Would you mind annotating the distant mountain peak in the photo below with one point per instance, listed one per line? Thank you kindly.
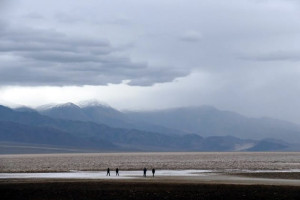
(25, 109)
(53, 106)
(45, 107)
(93, 103)
(68, 104)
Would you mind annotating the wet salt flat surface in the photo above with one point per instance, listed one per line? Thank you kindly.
(224, 161)
(102, 174)
(74, 174)
(194, 176)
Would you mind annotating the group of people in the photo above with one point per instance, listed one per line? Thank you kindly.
(117, 172)
(108, 172)
(145, 171)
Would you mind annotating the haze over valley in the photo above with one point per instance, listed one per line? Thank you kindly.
(95, 127)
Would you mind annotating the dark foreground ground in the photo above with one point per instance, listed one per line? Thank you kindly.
(123, 190)
(276, 175)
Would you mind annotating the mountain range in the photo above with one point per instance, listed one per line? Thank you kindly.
(96, 128)
(207, 121)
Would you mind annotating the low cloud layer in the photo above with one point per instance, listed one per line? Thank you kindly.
(47, 57)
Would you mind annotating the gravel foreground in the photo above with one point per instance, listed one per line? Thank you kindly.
(272, 175)
(140, 189)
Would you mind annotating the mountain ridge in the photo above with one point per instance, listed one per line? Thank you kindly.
(99, 136)
(209, 121)
(202, 120)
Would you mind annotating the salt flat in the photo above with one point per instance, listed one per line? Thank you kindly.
(73, 174)
(270, 168)
(159, 160)
(169, 176)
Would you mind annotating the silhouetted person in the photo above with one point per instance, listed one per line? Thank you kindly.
(145, 171)
(153, 172)
(117, 172)
(108, 172)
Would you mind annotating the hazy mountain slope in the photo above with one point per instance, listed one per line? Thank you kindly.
(267, 144)
(32, 127)
(25, 122)
(16, 126)
(68, 111)
(106, 115)
(32, 148)
(14, 132)
(25, 109)
(208, 121)
(102, 114)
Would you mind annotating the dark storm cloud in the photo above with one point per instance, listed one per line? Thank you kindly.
(46, 57)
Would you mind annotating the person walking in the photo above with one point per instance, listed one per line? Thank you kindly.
(153, 172)
(108, 172)
(117, 172)
(145, 171)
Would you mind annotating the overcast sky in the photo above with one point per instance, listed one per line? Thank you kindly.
(238, 55)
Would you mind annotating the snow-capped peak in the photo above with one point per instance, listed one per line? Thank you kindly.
(68, 104)
(50, 106)
(93, 103)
